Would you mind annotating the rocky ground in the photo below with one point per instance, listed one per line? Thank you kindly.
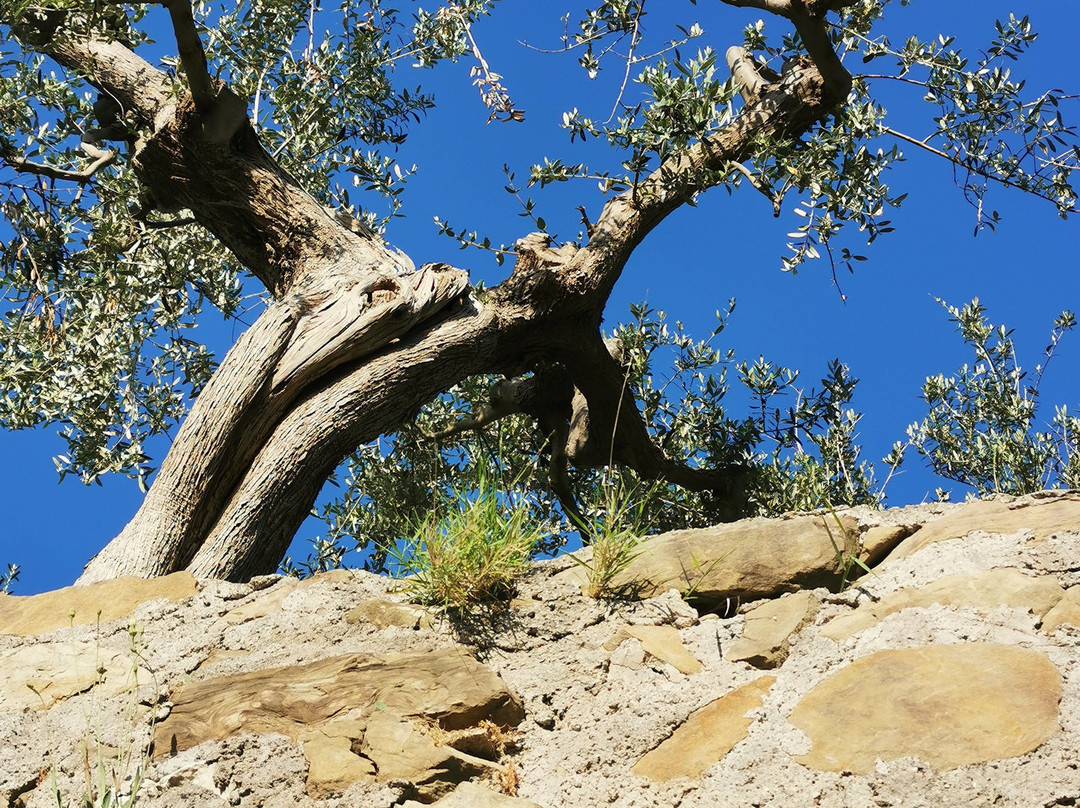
(949, 676)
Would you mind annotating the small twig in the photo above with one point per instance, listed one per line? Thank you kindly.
(765, 189)
(494, 96)
(635, 38)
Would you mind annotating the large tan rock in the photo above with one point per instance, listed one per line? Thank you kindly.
(767, 630)
(985, 591)
(446, 685)
(661, 642)
(343, 704)
(747, 559)
(29, 615)
(38, 676)
(949, 705)
(1043, 518)
(1065, 612)
(706, 736)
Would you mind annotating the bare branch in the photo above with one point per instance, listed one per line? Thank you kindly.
(101, 157)
(745, 72)
(503, 399)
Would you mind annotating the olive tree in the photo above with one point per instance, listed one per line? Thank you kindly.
(143, 179)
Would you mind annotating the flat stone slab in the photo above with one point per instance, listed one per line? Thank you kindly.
(1065, 612)
(948, 705)
(30, 615)
(985, 591)
(661, 642)
(748, 559)
(768, 629)
(39, 676)
(1043, 517)
(446, 685)
(706, 736)
(387, 613)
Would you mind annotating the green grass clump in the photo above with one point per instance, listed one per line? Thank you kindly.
(473, 553)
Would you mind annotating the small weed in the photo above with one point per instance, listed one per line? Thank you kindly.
(702, 572)
(616, 541)
(847, 552)
(111, 778)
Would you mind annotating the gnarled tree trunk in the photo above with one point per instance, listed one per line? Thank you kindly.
(355, 341)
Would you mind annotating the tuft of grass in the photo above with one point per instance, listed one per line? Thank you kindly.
(112, 777)
(616, 541)
(473, 553)
(846, 550)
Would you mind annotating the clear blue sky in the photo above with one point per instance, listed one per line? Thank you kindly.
(890, 331)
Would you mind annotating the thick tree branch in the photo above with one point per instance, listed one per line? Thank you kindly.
(809, 20)
(138, 87)
(192, 56)
(745, 72)
(808, 89)
(611, 430)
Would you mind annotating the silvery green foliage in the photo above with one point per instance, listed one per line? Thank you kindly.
(100, 306)
(8, 579)
(982, 428)
(993, 130)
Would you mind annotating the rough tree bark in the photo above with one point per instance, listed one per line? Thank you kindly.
(354, 342)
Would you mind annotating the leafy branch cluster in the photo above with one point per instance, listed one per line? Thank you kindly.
(986, 126)
(981, 428)
(9, 578)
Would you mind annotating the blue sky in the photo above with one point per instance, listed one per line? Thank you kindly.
(890, 331)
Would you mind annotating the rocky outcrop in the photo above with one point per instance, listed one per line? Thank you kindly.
(354, 714)
(719, 566)
(948, 676)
